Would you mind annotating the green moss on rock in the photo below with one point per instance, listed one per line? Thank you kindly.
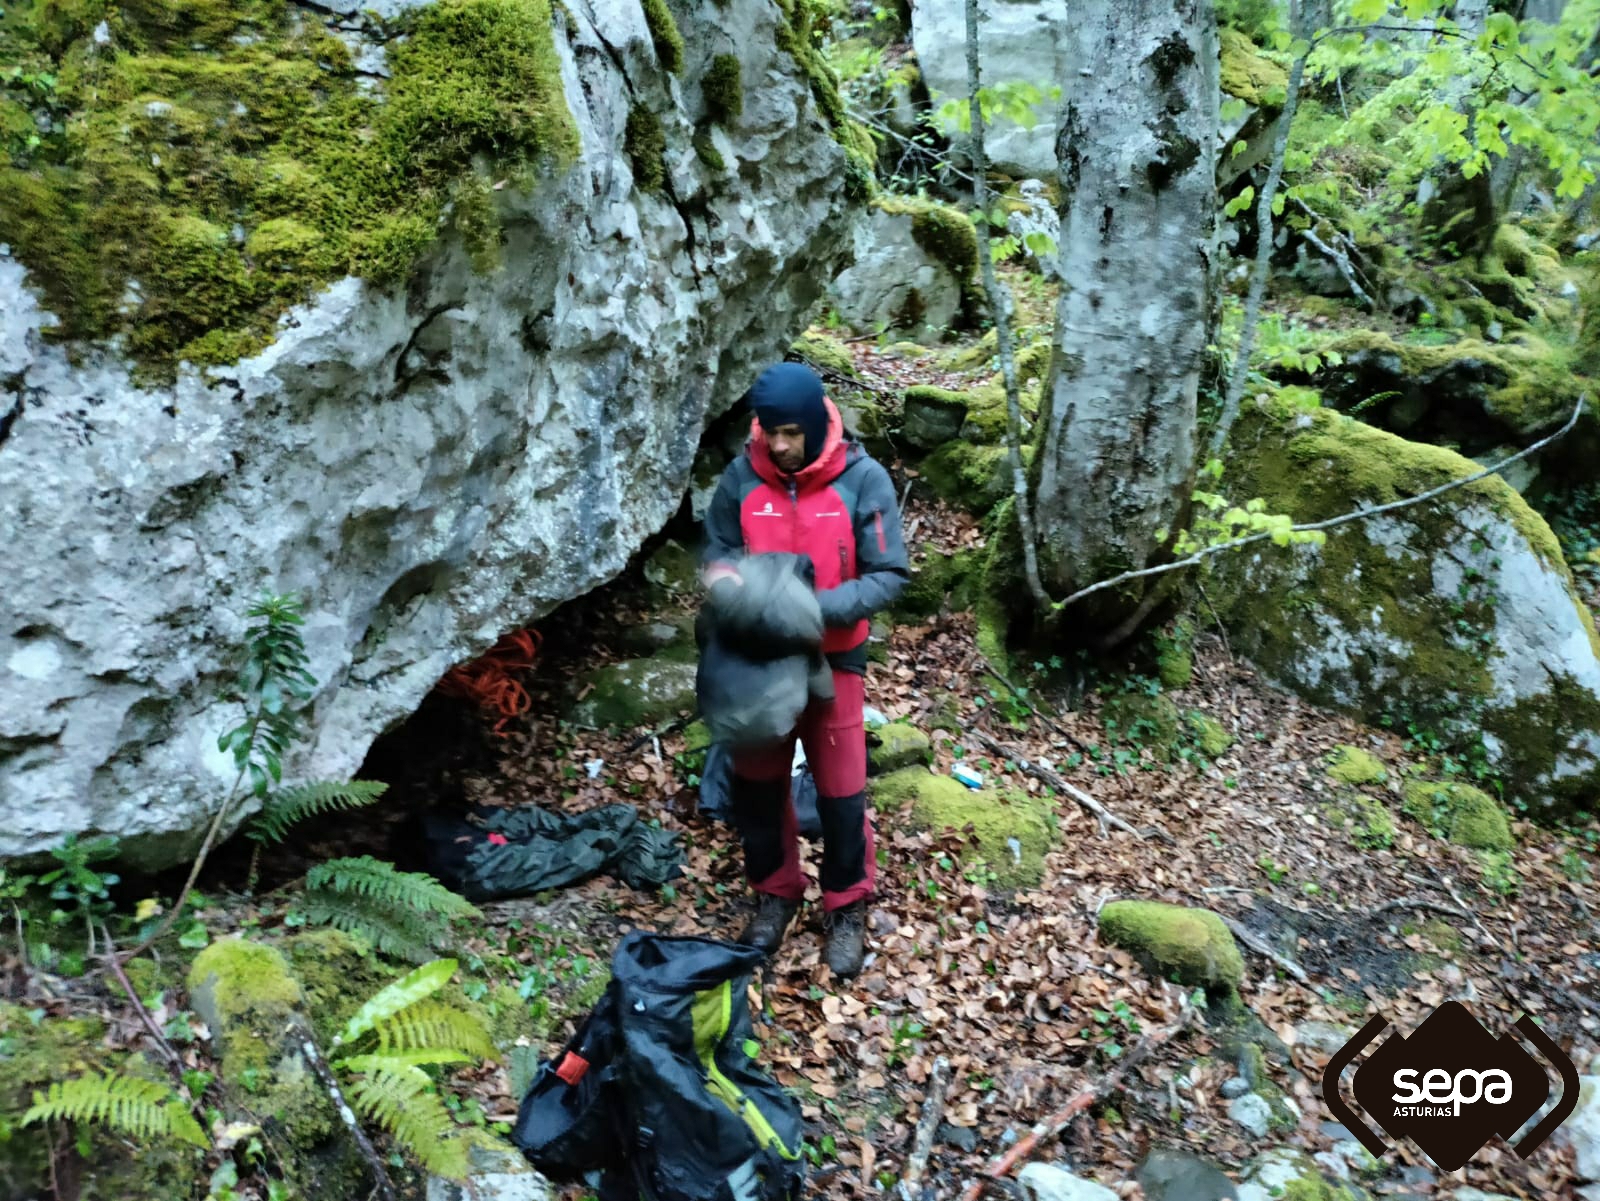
(824, 350)
(998, 821)
(896, 745)
(634, 692)
(940, 579)
(1465, 815)
(971, 476)
(1209, 734)
(664, 35)
(944, 233)
(336, 972)
(1248, 75)
(723, 89)
(1139, 719)
(199, 118)
(1175, 654)
(1191, 946)
(646, 147)
(1525, 385)
(1352, 765)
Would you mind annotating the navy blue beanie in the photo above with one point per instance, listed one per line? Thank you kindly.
(791, 394)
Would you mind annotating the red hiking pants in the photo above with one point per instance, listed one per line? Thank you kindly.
(835, 741)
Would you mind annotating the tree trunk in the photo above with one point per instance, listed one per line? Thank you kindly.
(1136, 156)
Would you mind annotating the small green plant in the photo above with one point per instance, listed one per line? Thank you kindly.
(141, 1109)
(81, 891)
(387, 1045)
(1275, 871)
(1499, 872)
(906, 1034)
(406, 914)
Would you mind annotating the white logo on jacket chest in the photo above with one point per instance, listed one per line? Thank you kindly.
(835, 513)
(767, 510)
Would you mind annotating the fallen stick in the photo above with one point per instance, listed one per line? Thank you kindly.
(1260, 947)
(1057, 1122)
(927, 1124)
(1037, 771)
(1422, 903)
(319, 1067)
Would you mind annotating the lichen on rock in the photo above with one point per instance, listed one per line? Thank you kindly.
(633, 692)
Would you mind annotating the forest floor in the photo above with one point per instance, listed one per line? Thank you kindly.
(1016, 990)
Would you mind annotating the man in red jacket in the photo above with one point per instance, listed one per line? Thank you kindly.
(804, 486)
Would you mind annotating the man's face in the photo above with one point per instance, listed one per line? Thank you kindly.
(788, 446)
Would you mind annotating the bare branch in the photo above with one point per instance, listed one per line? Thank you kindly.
(1260, 947)
(1263, 265)
(927, 1124)
(1054, 780)
(1332, 522)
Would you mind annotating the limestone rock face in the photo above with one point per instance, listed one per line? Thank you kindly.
(1019, 41)
(428, 465)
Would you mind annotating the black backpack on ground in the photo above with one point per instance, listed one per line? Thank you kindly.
(659, 1091)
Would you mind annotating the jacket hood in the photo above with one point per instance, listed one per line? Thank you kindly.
(837, 452)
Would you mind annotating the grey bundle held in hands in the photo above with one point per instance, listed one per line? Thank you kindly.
(761, 660)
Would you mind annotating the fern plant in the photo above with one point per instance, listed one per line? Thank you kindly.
(400, 1031)
(405, 914)
(284, 808)
(142, 1109)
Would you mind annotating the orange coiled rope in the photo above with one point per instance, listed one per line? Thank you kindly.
(488, 682)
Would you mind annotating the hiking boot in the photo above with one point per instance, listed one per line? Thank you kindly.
(767, 928)
(847, 938)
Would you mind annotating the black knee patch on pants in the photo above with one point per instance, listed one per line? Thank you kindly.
(844, 841)
(757, 811)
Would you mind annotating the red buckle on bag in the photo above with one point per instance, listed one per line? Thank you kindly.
(573, 1067)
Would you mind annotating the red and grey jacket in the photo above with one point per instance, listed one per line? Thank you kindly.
(840, 510)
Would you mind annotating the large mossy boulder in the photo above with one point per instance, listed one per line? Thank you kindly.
(633, 692)
(1012, 831)
(1466, 388)
(1191, 946)
(1458, 614)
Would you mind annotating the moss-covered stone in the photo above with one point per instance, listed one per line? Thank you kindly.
(1289, 1174)
(940, 579)
(1522, 383)
(723, 89)
(932, 415)
(206, 116)
(1140, 719)
(634, 692)
(1012, 831)
(646, 146)
(1191, 946)
(671, 570)
(824, 350)
(705, 149)
(796, 37)
(247, 993)
(1175, 654)
(1352, 765)
(1248, 75)
(1465, 815)
(971, 476)
(944, 233)
(1209, 734)
(896, 745)
(1372, 826)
